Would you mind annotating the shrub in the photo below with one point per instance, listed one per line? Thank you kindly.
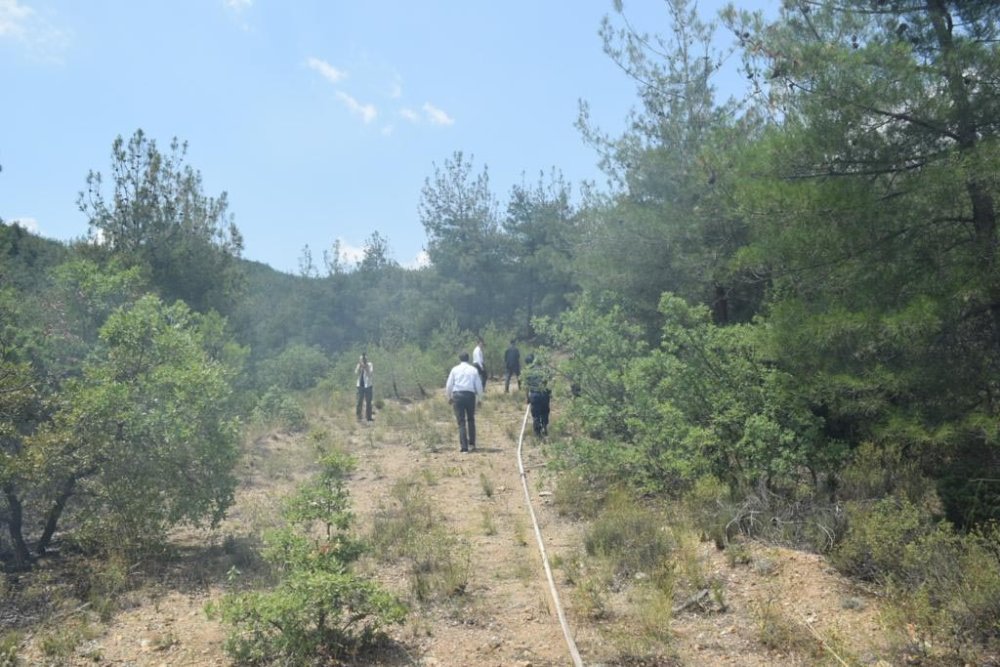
(277, 407)
(632, 538)
(949, 585)
(297, 367)
(876, 538)
(320, 609)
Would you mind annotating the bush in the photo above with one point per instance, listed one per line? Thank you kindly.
(320, 609)
(877, 537)
(313, 614)
(298, 367)
(632, 538)
(277, 407)
(949, 585)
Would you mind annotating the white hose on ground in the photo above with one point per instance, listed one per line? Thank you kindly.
(541, 547)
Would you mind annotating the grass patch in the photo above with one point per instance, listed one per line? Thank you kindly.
(408, 528)
(486, 484)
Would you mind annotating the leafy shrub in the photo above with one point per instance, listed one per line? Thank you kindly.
(143, 439)
(278, 407)
(706, 402)
(633, 538)
(313, 614)
(319, 610)
(9, 648)
(949, 585)
(877, 537)
(297, 367)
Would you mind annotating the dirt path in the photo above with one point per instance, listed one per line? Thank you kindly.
(782, 607)
(505, 614)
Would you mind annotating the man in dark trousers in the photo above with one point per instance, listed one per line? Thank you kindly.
(365, 377)
(537, 380)
(464, 389)
(512, 364)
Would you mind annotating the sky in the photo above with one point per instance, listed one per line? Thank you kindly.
(320, 119)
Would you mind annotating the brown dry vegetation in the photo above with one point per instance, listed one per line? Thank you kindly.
(472, 574)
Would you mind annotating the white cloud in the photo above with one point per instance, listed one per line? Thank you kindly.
(409, 114)
(421, 261)
(39, 36)
(367, 112)
(349, 254)
(14, 19)
(239, 5)
(437, 116)
(387, 130)
(326, 70)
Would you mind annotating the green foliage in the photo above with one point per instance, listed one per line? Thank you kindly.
(542, 227)
(314, 615)
(465, 244)
(9, 648)
(157, 218)
(297, 367)
(707, 402)
(319, 610)
(632, 538)
(878, 537)
(944, 585)
(604, 343)
(671, 227)
(957, 577)
(872, 212)
(280, 408)
(142, 440)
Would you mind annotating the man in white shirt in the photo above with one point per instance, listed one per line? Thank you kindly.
(464, 389)
(479, 360)
(365, 373)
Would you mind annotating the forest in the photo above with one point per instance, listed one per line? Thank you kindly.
(783, 311)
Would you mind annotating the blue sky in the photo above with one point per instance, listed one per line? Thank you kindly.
(321, 119)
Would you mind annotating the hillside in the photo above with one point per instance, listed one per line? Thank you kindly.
(773, 607)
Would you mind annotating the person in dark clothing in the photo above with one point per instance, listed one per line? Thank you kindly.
(539, 395)
(512, 364)
(365, 377)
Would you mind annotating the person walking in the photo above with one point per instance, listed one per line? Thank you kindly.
(479, 360)
(464, 389)
(539, 395)
(512, 366)
(365, 373)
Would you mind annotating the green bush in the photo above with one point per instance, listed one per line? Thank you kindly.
(276, 406)
(9, 648)
(877, 536)
(319, 610)
(297, 367)
(313, 614)
(631, 537)
(949, 584)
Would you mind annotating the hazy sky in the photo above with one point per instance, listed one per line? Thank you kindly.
(321, 119)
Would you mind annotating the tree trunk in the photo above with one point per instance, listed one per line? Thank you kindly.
(55, 513)
(15, 525)
(984, 217)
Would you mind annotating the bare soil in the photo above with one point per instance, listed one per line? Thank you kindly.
(778, 607)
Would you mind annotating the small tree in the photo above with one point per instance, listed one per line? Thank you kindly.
(143, 440)
(158, 218)
(319, 609)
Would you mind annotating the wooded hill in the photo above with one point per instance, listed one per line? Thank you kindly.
(790, 302)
